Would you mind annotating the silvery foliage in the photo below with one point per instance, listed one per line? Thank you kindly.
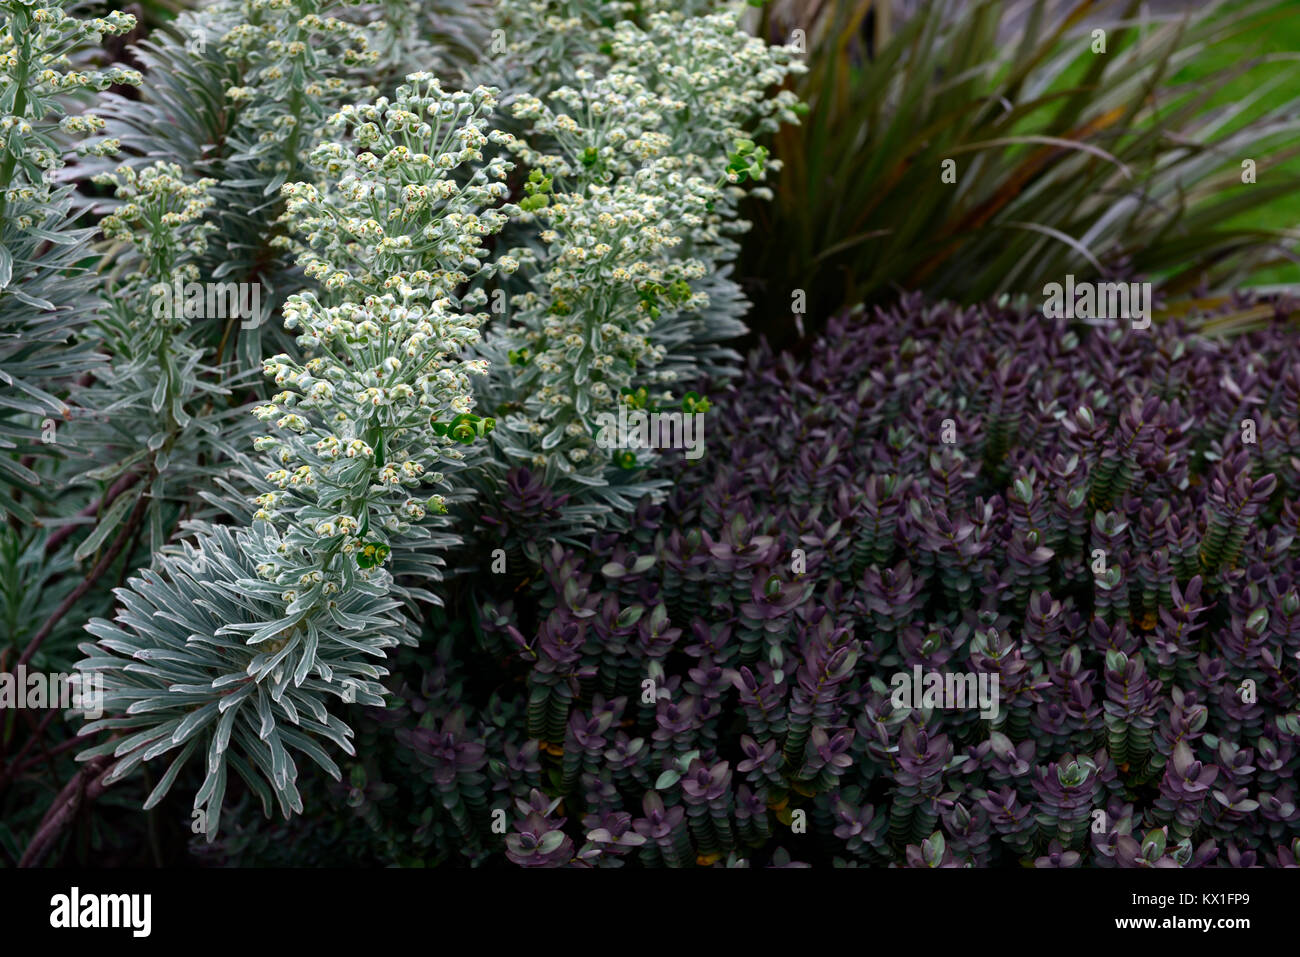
(409, 36)
(239, 92)
(45, 291)
(635, 136)
(153, 409)
(191, 668)
(234, 641)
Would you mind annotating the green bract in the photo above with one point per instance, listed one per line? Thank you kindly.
(637, 154)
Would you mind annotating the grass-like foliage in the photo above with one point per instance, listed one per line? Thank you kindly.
(1068, 155)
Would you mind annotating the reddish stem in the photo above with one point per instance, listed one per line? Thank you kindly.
(59, 535)
(65, 606)
(87, 785)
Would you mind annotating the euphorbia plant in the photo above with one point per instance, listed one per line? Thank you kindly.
(638, 151)
(361, 423)
(46, 293)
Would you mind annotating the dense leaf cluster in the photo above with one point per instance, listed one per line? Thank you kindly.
(832, 539)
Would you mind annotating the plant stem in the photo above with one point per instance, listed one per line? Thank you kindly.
(59, 535)
(86, 786)
(119, 544)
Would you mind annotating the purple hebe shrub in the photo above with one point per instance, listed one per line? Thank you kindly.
(983, 491)
(1104, 518)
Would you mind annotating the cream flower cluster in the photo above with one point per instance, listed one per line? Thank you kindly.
(615, 116)
(725, 78)
(399, 213)
(587, 326)
(624, 129)
(161, 216)
(35, 41)
(299, 61)
(353, 440)
(634, 187)
(381, 403)
(552, 38)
